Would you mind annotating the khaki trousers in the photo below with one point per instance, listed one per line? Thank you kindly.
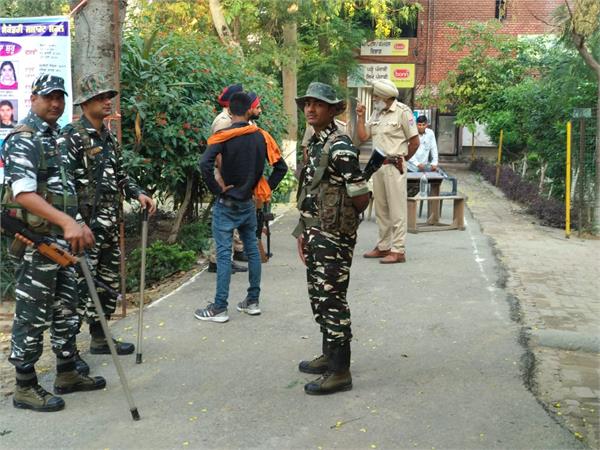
(389, 198)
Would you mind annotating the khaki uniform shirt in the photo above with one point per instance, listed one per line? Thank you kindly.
(222, 121)
(392, 128)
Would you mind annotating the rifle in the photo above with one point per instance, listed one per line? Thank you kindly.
(263, 216)
(15, 227)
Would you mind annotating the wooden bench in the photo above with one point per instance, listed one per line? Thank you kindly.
(433, 212)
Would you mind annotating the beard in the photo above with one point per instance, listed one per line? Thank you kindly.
(254, 117)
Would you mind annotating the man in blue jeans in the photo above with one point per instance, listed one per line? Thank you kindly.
(243, 150)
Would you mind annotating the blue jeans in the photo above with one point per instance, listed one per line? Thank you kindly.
(240, 215)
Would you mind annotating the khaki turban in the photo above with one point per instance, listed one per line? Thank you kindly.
(385, 89)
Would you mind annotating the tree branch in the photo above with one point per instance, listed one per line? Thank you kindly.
(579, 42)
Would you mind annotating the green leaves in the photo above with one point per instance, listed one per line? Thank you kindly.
(172, 83)
(162, 260)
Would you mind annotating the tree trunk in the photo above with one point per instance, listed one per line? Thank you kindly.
(220, 24)
(94, 43)
(182, 210)
(290, 89)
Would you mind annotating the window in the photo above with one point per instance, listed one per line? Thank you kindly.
(501, 6)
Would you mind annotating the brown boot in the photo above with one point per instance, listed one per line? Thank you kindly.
(319, 364)
(330, 383)
(36, 398)
(73, 381)
(393, 258)
(338, 377)
(376, 253)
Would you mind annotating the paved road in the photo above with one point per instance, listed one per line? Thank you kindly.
(436, 364)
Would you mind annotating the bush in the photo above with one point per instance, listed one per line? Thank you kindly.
(7, 271)
(162, 260)
(549, 210)
(282, 193)
(195, 237)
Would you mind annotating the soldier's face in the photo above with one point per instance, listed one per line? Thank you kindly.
(98, 107)
(318, 113)
(48, 107)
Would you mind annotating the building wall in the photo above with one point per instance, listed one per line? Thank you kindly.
(524, 17)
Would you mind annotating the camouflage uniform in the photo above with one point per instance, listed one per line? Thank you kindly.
(329, 253)
(46, 295)
(330, 183)
(96, 163)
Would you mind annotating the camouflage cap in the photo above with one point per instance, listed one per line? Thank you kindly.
(45, 84)
(323, 92)
(91, 86)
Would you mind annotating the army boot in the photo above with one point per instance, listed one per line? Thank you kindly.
(318, 365)
(80, 365)
(30, 395)
(337, 378)
(73, 381)
(99, 346)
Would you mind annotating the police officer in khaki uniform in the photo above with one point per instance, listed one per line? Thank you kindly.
(393, 129)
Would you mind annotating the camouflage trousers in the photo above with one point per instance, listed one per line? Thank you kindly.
(46, 297)
(328, 261)
(238, 246)
(104, 260)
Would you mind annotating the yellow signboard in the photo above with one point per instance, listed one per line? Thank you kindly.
(403, 75)
(385, 47)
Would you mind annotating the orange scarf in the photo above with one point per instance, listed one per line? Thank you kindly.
(262, 191)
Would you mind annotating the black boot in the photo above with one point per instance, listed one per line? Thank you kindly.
(80, 365)
(338, 377)
(318, 365)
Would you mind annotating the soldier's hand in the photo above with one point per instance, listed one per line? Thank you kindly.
(147, 203)
(421, 167)
(360, 110)
(433, 167)
(301, 249)
(79, 236)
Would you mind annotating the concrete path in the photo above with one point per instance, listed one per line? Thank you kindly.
(436, 364)
(554, 284)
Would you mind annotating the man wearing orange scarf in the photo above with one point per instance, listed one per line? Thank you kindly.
(243, 150)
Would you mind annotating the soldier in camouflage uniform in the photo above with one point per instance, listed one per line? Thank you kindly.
(96, 162)
(333, 192)
(41, 190)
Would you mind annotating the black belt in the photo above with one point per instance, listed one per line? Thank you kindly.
(232, 202)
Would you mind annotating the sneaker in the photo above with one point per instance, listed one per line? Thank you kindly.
(212, 314)
(249, 307)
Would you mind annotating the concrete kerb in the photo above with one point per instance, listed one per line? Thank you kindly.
(565, 340)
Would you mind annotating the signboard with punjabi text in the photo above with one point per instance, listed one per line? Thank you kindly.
(403, 75)
(387, 47)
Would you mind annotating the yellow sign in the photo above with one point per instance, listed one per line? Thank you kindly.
(403, 75)
(386, 47)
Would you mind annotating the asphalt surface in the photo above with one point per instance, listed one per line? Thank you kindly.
(436, 364)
